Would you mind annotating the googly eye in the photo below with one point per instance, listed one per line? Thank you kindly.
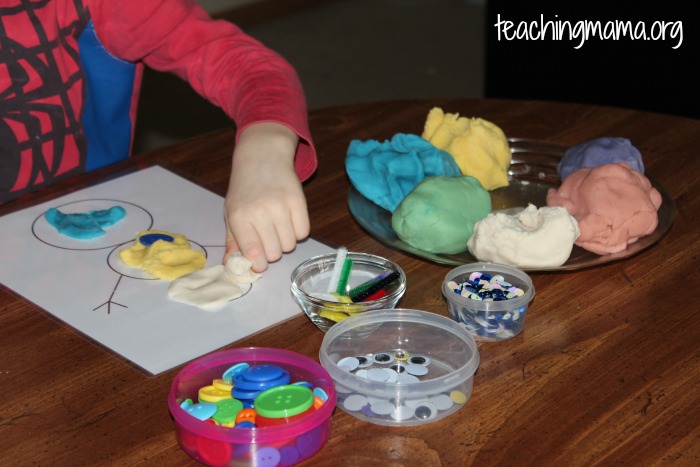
(403, 412)
(378, 375)
(405, 378)
(393, 376)
(425, 411)
(442, 401)
(401, 355)
(397, 367)
(416, 370)
(355, 402)
(364, 361)
(381, 407)
(419, 360)
(383, 357)
(348, 363)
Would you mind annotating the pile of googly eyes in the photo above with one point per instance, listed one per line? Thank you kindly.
(401, 368)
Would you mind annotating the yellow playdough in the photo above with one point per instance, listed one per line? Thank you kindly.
(479, 147)
(163, 259)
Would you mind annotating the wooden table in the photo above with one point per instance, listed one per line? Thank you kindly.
(607, 370)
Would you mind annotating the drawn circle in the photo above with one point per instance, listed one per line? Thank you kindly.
(120, 267)
(137, 219)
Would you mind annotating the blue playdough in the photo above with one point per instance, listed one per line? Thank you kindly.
(87, 225)
(597, 152)
(386, 172)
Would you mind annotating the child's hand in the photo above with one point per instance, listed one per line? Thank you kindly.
(265, 208)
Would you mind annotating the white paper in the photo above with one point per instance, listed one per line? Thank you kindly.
(84, 284)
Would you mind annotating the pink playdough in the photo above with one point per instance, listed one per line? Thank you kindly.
(613, 204)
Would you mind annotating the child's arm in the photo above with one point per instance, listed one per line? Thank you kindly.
(265, 208)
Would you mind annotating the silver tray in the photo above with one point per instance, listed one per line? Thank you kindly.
(533, 171)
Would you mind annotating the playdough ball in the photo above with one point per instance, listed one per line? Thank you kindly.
(84, 225)
(386, 172)
(168, 258)
(613, 204)
(534, 238)
(213, 287)
(479, 147)
(597, 152)
(438, 216)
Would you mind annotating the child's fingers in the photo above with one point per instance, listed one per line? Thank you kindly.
(300, 222)
(251, 245)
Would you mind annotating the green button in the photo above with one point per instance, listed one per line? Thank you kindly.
(227, 409)
(284, 401)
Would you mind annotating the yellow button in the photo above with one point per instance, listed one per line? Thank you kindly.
(222, 385)
(213, 395)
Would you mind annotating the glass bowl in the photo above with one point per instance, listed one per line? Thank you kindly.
(311, 279)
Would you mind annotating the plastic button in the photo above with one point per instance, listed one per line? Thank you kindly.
(246, 415)
(202, 410)
(260, 378)
(226, 410)
(222, 385)
(266, 457)
(211, 394)
(284, 401)
(234, 370)
(263, 373)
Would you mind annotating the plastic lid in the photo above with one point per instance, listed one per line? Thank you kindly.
(284, 401)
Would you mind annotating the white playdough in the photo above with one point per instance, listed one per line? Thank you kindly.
(534, 238)
(211, 288)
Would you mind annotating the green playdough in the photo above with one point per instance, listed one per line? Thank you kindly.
(438, 216)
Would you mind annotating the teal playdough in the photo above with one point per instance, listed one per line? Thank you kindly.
(386, 172)
(438, 216)
(86, 225)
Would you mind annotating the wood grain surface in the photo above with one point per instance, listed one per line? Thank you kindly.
(606, 371)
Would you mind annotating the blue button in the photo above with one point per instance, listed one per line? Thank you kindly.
(263, 373)
(261, 377)
(319, 392)
(201, 410)
(234, 370)
(240, 382)
(243, 395)
(306, 384)
(245, 424)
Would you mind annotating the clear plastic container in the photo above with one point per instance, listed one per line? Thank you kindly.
(280, 445)
(489, 320)
(400, 367)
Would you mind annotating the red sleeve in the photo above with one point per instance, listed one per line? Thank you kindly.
(250, 82)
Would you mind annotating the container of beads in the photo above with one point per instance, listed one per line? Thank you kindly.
(490, 300)
(252, 406)
(400, 367)
(330, 288)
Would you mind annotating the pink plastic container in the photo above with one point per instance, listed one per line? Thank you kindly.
(271, 446)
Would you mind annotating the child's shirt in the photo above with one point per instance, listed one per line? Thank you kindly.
(70, 74)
